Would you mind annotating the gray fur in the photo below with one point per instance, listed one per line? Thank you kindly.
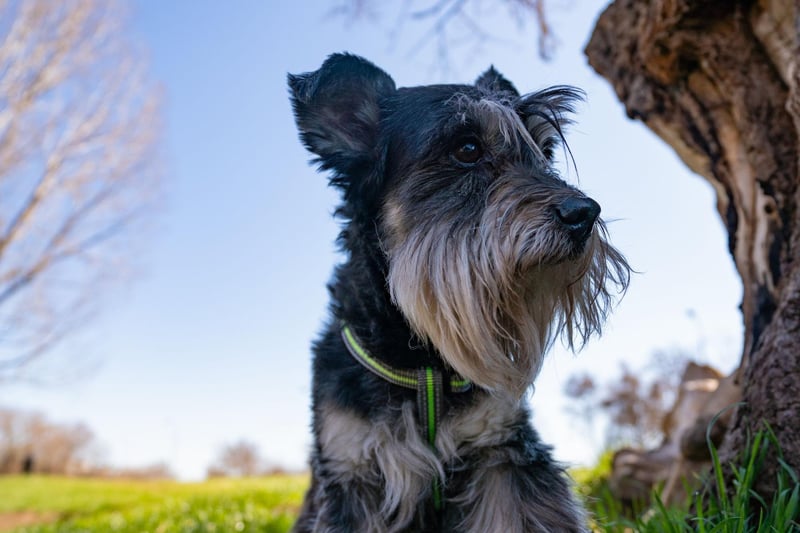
(489, 458)
(466, 253)
(492, 294)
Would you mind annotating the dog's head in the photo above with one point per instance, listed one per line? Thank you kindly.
(489, 253)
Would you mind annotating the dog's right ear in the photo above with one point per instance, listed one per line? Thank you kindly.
(337, 110)
(493, 81)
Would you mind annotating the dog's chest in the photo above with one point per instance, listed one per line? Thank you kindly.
(355, 446)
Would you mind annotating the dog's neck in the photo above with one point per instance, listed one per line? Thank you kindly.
(408, 378)
(361, 299)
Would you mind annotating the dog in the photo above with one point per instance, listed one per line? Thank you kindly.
(467, 255)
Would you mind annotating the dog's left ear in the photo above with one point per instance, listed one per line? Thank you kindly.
(493, 81)
(337, 109)
(546, 113)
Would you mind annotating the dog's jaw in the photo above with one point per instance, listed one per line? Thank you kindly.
(489, 318)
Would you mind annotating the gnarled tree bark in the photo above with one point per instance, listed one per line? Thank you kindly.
(718, 80)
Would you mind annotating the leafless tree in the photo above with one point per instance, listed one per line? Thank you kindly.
(30, 442)
(240, 459)
(636, 402)
(454, 26)
(79, 125)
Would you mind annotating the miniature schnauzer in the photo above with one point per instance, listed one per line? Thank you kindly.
(467, 255)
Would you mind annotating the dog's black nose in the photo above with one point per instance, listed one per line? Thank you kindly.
(578, 214)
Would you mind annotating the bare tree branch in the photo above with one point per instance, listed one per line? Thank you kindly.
(79, 128)
(452, 24)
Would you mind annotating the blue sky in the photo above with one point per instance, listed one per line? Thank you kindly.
(210, 343)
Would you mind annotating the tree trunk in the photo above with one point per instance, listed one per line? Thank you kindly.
(719, 81)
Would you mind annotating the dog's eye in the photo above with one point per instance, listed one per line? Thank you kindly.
(468, 151)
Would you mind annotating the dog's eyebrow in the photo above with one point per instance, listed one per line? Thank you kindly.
(498, 116)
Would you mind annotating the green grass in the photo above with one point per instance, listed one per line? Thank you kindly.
(270, 505)
(266, 505)
(718, 511)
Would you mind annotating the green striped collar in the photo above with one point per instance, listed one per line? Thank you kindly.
(398, 376)
(427, 381)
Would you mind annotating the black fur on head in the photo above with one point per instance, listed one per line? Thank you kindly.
(460, 227)
(492, 81)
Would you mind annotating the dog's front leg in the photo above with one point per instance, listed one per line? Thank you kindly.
(370, 476)
(345, 495)
(513, 488)
(342, 507)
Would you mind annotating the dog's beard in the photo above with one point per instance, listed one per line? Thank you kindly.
(492, 294)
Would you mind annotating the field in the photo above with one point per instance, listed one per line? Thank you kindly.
(50, 504)
(269, 505)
